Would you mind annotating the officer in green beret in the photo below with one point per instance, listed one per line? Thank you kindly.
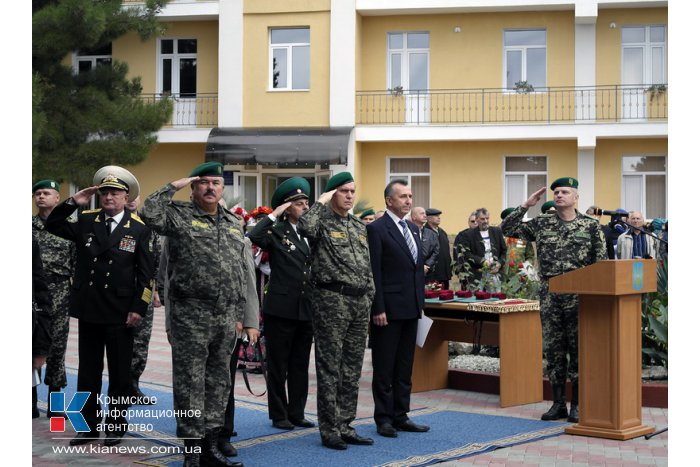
(208, 280)
(287, 306)
(565, 240)
(343, 291)
(58, 258)
(367, 216)
(505, 212)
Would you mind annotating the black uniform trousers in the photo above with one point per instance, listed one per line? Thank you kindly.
(93, 339)
(288, 343)
(230, 414)
(393, 348)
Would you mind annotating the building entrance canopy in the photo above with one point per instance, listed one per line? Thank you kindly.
(283, 147)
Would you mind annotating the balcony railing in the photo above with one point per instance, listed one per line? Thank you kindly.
(548, 105)
(190, 110)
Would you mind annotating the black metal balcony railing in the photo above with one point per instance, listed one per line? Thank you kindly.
(194, 110)
(496, 105)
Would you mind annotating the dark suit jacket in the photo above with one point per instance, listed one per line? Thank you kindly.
(475, 250)
(114, 274)
(399, 282)
(288, 289)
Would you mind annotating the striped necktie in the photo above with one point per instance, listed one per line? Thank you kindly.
(409, 242)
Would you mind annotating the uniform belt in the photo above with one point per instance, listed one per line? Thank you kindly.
(343, 289)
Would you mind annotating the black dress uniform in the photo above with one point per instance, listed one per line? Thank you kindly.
(286, 312)
(112, 278)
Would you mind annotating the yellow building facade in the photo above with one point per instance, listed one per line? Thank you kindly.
(476, 105)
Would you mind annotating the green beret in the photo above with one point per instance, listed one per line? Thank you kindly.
(290, 190)
(338, 180)
(547, 206)
(564, 181)
(367, 212)
(505, 212)
(208, 169)
(53, 184)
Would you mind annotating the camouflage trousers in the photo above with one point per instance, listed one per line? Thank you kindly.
(559, 316)
(202, 342)
(340, 325)
(56, 360)
(142, 337)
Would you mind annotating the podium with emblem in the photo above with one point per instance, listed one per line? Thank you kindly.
(610, 345)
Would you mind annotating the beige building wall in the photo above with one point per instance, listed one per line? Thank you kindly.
(608, 166)
(263, 107)
(464, 175)
(609, 40)
(472, 58)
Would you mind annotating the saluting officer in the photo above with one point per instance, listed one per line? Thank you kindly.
(342, 297)
(111, 289)
(286, 307)
(565, 240)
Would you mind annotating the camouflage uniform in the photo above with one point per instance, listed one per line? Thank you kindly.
(58, 257)
(339, 257)
(562, 246)
(207, 279)
(142, 331)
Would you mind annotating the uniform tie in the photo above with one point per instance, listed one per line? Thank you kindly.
(108, 225)
(409, 242)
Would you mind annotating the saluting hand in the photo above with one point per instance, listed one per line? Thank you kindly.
(183, 182)
(534, 198)
(279, 210)
(325, 197)
(82, 198)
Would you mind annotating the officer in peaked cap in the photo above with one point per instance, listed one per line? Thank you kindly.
(287, 306)
(112, 288)
(442, 271)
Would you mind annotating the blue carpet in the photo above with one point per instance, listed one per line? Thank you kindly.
(453, 435)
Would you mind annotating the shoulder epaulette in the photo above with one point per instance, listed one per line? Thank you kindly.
(91, 211)
(136, 217)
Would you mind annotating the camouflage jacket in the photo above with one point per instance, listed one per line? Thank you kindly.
(57, 254)
(206, 253)
(562, 246)
(339, 248)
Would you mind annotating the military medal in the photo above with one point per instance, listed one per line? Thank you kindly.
(128, 243)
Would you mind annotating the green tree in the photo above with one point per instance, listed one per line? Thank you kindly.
(84, 121)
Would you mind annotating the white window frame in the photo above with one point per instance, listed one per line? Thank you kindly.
(524, 173)
(77, 58)
(648, 47)
(175, 57)
(523, 51)
(405, 53)
(408, 176)
(290, 64)
(643, 196)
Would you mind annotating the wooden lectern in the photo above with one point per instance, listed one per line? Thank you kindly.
(610, 345)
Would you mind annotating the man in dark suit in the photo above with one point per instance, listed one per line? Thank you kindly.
(286, 307)
(397, 268)
(111, 291)
(485, 248)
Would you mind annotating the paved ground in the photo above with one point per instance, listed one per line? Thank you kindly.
(563, 450)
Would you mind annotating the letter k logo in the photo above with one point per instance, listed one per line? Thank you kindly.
(57, 403)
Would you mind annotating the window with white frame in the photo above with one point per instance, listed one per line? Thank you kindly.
(416, 171)
(644, 185)
(177, 67)
(644, 55)
(408, 57)
(88, 59)
(525, 57)
(523, 176)
(290, 62)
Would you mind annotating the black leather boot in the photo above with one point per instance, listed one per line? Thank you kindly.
(211, 456)
(573, 413)
(223, 442)
(192, 452)
(35, 411)
(558, 409)
(49, 413)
